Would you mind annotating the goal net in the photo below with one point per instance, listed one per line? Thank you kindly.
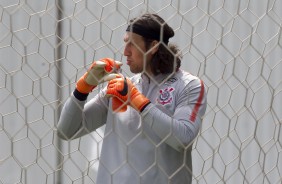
(234, 46)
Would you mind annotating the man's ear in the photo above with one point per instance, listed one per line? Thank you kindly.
(154, 46)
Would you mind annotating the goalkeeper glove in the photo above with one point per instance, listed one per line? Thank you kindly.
(100, 71)
(125, 91)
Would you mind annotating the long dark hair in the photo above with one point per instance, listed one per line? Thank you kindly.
(168, 57)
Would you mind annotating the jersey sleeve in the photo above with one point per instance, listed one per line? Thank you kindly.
(79, 118)
(180, 129)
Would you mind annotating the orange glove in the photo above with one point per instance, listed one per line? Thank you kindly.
(123, 89)
(100, 71)
(118, 105)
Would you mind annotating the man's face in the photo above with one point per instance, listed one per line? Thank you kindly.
(135, 52)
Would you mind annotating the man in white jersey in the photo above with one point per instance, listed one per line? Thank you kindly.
(151, 118)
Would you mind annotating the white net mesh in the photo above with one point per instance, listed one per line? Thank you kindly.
(234, 46)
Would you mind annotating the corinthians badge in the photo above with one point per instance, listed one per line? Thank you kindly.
(165, 96)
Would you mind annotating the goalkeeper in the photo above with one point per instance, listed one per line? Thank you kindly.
(151, 118)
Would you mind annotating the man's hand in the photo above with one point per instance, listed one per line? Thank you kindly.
(123, 89)
(99, 72)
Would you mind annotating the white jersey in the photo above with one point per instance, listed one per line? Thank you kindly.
(149, 147)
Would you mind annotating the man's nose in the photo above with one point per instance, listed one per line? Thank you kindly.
(126, 51)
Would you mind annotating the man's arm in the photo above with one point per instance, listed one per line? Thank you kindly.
(76, 119)
(178, 130)
(181, 129)
(79, 118)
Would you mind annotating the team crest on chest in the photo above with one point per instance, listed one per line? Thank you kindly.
(165, 96)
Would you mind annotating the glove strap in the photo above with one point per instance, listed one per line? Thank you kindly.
(80, 96)
(83, 87)
(144, 106)
(140, 102)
